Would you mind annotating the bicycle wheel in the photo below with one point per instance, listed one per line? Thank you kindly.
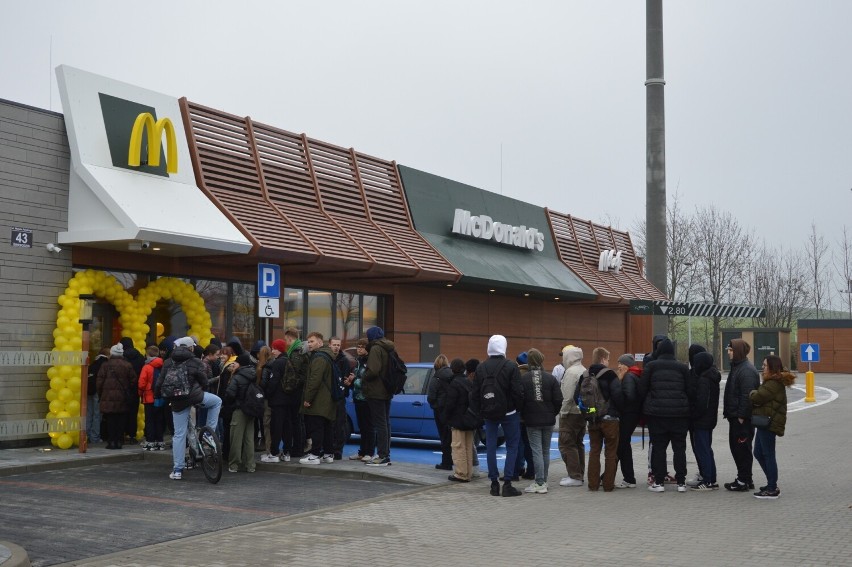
(211, 454)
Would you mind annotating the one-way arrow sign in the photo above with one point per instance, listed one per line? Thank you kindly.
(809, 352)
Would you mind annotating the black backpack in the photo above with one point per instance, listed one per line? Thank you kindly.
(338, 384)
(176, 384)
(396, 375)
(253, 400)
(493, 403)
(590, 399)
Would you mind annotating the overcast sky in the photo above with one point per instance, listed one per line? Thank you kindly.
(542, 101)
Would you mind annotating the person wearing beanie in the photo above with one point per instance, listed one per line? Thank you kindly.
(736, 408)
(572, 424)
(497, 397)
(542, 402)
(116, 386)
(241, 454)
(378, 397)
(280, 346)
(628, 373)
(663, 386)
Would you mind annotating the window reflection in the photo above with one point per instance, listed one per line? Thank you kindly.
(370, 313)
(293, 308)
(215, 296)
(244, 312)
(319, 313)
(347, 314)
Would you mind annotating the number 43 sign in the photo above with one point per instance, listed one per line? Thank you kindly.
(22, 237)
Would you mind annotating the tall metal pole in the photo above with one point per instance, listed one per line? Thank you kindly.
(655, 156)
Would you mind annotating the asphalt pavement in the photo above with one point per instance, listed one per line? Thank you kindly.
(408, 514)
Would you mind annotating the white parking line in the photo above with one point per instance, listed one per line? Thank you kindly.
(822, 395)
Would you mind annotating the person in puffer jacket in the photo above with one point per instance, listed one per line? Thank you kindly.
(704, 400)
(663, 386)
(770, 399)
(572, 425)
(736, 408)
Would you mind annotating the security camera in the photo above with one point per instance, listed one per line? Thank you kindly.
(146, 245)
(51, 247)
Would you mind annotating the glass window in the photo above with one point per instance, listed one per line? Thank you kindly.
(370, 312)
(347, 317)
(244, 304)
(319, 313)
(215, 296)
(293, 308)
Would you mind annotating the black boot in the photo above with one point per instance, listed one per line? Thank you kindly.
(509, 490)
(495, 488)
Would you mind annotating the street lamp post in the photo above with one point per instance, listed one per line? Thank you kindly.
(86, 302)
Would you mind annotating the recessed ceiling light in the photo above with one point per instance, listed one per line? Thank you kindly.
(556, 298)
(491, 290)
(449, 285)
(526, 295)
(155, 249)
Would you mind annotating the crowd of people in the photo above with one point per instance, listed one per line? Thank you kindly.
(305, 385)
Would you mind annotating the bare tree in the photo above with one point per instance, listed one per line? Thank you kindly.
(843, 267)
(723, 249)
(681, 252)
(819, 281)
(778, 284)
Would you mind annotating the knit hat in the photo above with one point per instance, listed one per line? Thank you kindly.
(521, 358)
(627, 360)
(185, 342)
(279, 345)
(244, 360)
(375, 333)
(497, 346)
(255, 348)
(116, 350)
(235, 344)
(535, 357)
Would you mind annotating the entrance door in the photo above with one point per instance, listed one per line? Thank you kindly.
(764, 345)
(101, 332)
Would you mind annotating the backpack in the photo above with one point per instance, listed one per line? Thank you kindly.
(176, 384)
(493, 405)
(396, 375)
(590, 399)
(338, 379)
(296, 373)
(253, 400)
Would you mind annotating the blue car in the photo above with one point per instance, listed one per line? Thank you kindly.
(411, 417)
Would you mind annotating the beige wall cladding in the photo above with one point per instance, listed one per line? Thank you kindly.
(34, 171)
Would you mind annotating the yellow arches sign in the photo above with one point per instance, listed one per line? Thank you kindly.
(145, 121)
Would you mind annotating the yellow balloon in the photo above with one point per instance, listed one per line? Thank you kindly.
(57, 406)
(51, 395)
(54, 437)
(160, 329)
(57, 384)
(65, 394)
(65, 441)
(73, 408)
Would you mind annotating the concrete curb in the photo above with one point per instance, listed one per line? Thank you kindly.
(12, 555)
(53, 465)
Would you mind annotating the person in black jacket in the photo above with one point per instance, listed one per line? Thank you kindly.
(242, 425)
(631, 410)
(270, 383)
(93, 409)
(435, 396)
(183, 354)
(462, 423)
(736, 408)
(604, 431)
(663, 386)
(542, 402)
(137, 361)
(704, 401)
(512, 393)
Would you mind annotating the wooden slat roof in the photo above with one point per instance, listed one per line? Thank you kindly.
(314, 206)
(580, 243)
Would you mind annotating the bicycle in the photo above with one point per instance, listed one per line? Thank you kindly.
(203, 445)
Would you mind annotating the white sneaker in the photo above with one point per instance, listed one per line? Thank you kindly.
(625, 484)
(270, 459)
(681, 488)
(532, 487)
(176, 475)
(657, 488)
(310, 460)
(536, 488)
(355, 457)
(475, 473)
(327, 459)
(285, 457)
(368, 458)
(568, 481)
(695, 481)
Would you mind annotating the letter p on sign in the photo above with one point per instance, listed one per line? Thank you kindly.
(268, 280)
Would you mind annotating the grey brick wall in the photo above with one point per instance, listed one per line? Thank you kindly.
(34, 170)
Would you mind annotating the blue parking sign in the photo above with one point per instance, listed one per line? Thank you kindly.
(269, 280)
(809, 352)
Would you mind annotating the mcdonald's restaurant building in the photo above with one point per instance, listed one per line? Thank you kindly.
(163, 208)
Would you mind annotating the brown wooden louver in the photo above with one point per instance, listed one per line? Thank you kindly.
(580, 244)
(312, 206)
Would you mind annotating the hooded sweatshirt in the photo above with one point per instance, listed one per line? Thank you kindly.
(663, 384)
(742, 379)
(572, 360)
(705, 378)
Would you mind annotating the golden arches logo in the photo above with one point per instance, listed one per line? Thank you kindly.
(145, 122)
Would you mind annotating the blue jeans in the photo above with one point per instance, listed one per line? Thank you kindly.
(703, 448)
(764, 452)
(213, 404)
(512, 430)
(540, 444)
(93, 418)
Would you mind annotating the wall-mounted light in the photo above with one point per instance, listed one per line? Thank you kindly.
(87, 300)
(51, 247)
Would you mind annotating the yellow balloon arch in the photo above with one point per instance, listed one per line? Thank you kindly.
(65, 386)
